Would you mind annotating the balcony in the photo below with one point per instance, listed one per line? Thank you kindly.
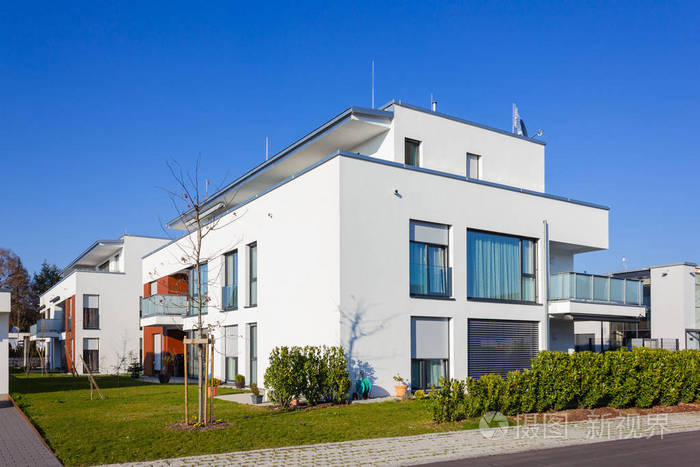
(591, 297)
(591, 288)
(164, 305)
(47, 328)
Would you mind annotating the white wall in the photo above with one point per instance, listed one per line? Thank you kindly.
(445, 143)
(375, 262)
(4, 343)
(296, 228)
(672, 302)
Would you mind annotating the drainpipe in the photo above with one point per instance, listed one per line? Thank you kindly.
(545, 296)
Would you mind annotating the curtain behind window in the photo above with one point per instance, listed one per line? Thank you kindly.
(419, 267)
(493, 266)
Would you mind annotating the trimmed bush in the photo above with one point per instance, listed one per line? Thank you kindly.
(316, 373)
(419, 394)
(447, 401)
(557, 381)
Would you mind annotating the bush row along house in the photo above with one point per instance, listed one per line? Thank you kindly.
(424, 244)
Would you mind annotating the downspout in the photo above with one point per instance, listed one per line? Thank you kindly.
(545, 295)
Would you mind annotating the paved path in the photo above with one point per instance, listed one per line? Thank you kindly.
(438, 447)
(20, 445)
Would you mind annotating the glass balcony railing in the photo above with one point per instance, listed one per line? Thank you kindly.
(164, 305)
(44, 326)
(229, 297)
(587, 287)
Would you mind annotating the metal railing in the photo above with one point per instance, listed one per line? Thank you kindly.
(164, 305)
(44, 326)
(589, 287)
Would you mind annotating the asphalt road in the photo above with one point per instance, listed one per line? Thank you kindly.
(673, 449)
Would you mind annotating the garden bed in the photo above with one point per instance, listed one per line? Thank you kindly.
(578, 415)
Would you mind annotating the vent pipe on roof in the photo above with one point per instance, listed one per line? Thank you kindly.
(433, 103)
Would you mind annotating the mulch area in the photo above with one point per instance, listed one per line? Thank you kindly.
(577, 415)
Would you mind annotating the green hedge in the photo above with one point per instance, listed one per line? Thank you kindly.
(558, 381)
(316, 373)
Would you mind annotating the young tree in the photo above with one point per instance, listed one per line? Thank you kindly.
(14, 276)
(48, 276)
(191, 200)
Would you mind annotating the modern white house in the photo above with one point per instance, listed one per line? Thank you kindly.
(672, 296)
(426, 245)
(92, 312)
(5, 300)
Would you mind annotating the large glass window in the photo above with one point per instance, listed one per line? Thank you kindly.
(500, 267)
(231, 352)
(91, 311)
(412, 154)
(429, 271)
(197, 296)
(429, 352)
(230, 290)
(91, 355)
(253, 353)
(253, 274)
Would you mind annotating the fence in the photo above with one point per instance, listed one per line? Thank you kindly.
(656, 343)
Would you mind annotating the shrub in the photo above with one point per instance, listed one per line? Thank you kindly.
(556, 381)
(317, 373)
(447, 401)
(419, 394)
(239, 380)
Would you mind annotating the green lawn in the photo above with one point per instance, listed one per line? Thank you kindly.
(131, 424)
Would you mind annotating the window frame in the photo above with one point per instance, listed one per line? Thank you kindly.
(192, 309)
(88, 359)
(448, 269)
(522, 275)
(478, 166)
(419, 150)
(252, 345)
(87, 311)
(232, 253)
(252, 280)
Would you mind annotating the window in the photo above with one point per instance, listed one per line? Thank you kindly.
(429, 272)
(473, 163)
(412, 155)
(253, 353)
(231, 352)
(429, 352)
(253, 274)
(192, 360)
(197, 296)
(91, 311)
(104, 266)
(500, 267)
(230, 290)
(116, 263)
(91, 355)
(154, 287)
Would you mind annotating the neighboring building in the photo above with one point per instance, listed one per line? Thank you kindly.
(93, 311)
(419, 242)
(4, 343)
(672, 297)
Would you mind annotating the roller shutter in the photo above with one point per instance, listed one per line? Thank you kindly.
(499, 346)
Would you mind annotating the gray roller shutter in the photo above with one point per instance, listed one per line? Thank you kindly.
(499, 346)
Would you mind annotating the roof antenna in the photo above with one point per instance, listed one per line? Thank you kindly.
(372, 83)
(267, 147)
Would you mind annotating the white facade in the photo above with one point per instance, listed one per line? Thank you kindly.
(331, 219)
(4, 343)
(106, 277)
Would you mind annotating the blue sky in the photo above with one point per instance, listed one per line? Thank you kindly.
(94, 99)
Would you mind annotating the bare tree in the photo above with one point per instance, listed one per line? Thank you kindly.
(191, 199)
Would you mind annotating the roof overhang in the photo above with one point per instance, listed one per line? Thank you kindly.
(342, 133)
(96, 254)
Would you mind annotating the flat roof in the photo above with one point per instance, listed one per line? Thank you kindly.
(682, 263)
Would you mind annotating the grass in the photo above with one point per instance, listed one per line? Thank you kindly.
(131, 424)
